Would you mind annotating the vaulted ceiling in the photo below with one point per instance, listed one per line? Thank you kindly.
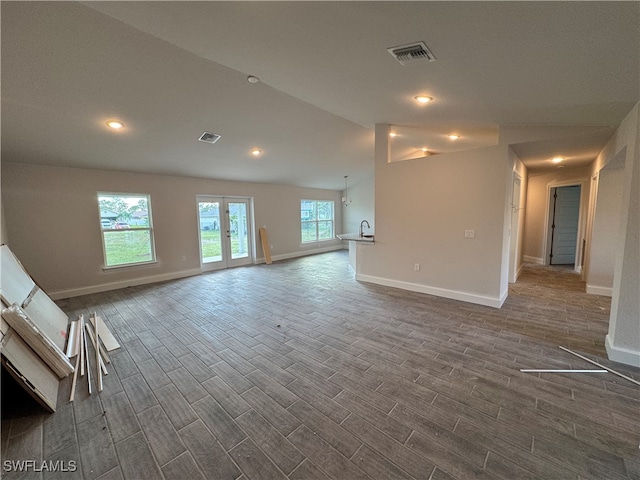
(172, 70)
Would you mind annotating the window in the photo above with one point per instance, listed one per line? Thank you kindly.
(127, 230)
(316, 220)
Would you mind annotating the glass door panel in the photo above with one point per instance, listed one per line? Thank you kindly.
(224, 226)
(210, 238)
(238, 234)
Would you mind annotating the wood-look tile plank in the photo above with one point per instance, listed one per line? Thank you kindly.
(272, 442)
(187, 385)
(396, 452)
(211, 458)
(280, 418)
(219, 422)
(97, 451)
(272, 388)
(254, 463)
(324, 456)
(380, 419)
(136, 460)
(182, 467)
(161, 435)
(331, 432)
(120, 416)
(232, 377)
(308, 471)
(318, 400)
(175, 406)
(139, 393)
(232, 402)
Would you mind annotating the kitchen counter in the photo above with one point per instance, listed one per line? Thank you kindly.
(355, 237)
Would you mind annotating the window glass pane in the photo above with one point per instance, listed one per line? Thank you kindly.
(308, 232)
(325, 230)
(307, 210)
(125, 220)
(128, 246)
(316, 220)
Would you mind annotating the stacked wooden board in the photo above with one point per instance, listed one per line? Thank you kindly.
(34, 332)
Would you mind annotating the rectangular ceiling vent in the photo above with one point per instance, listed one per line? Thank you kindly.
(412, 53)
(209, 137)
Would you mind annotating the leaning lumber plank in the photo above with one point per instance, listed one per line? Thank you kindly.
(601, 366)
(30, 371)
(265, 245)
(38, 341)
(81, 351)
(16, 282)
(72, 342)
(49, 318)
(75, 378)
(86, 356)
(103, 367)
(98, 359)
(110, 342)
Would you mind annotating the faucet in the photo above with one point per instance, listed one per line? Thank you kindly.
(361, 227)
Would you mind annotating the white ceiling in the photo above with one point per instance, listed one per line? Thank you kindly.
(171, 70)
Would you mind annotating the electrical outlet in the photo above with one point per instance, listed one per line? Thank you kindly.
(183, 258)
(469, 234)
(416, 267)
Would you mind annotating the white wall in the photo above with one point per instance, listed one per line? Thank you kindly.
(362, 206)
(606, 224)
(423, 208)
(52, 213)
(517, 219)
(623, 339)
(537, 209)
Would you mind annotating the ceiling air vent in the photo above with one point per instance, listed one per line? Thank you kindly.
(412, 53)
(209, 137)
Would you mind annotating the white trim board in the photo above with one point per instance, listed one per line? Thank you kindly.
(494, 302)
(534, 260)
(596, 290)
(105, 287)
(287, 256)
(622, 355)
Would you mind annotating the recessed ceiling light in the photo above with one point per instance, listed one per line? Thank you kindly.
(252, 79)
(116, 125)
(256, 151)
(557, 159)
(453, 136)
(424, 149)
(393, 134)
(423, 99)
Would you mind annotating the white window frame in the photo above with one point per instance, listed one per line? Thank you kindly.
(316, 221)
(148, 228)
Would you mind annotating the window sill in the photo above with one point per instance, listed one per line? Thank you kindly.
(128, 266)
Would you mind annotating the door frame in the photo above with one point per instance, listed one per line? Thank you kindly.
(546, 246)
(227, 261)
(514, 229)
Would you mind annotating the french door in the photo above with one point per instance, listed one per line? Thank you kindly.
(224, 228)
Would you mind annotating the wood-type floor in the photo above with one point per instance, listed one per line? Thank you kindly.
(296, 371)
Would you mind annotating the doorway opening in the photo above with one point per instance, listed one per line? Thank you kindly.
(564, 226)
(225, 231)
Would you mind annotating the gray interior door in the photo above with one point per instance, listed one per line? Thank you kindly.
(564, 229)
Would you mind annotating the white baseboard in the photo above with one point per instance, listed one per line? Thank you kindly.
(622, 355)
(534, 260)
(439, 292)
(105, 287)
(596, 290)
(304, 253)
